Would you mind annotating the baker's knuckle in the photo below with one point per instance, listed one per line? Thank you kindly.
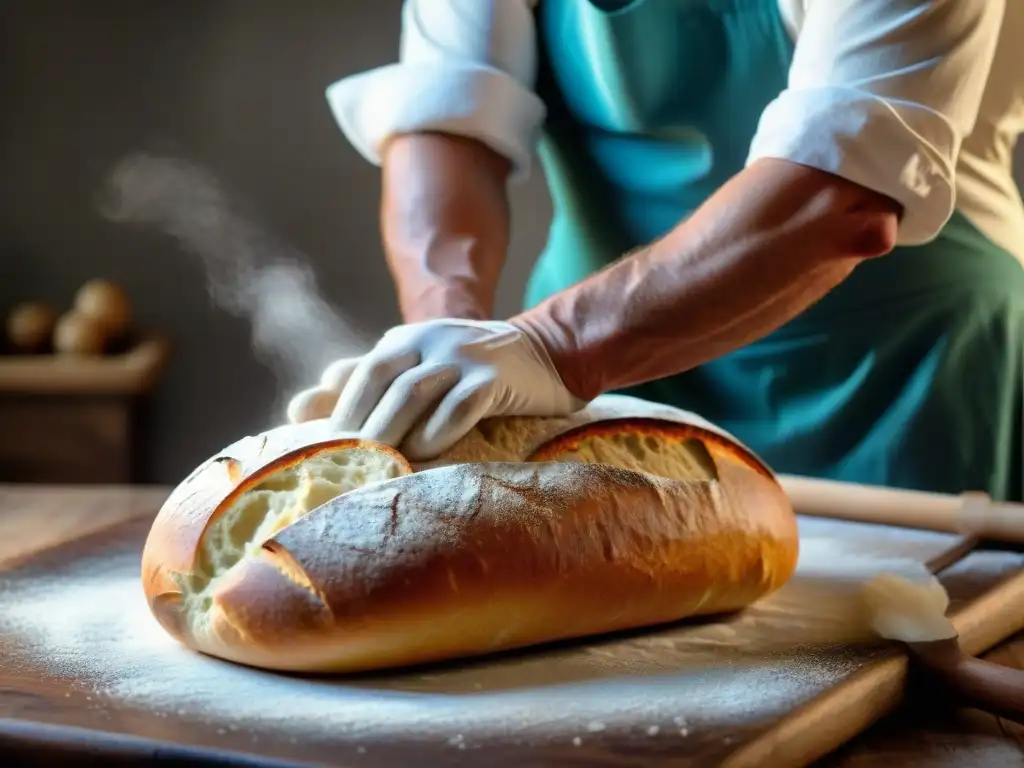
(378, 368)
(337, 371)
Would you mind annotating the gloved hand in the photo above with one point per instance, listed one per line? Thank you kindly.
(425, 385)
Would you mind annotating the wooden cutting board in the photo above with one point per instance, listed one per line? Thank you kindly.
(779, 685)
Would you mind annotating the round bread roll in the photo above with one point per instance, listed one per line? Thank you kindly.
(78, 334)
(30, 326)
(529, 530)
(107, 304)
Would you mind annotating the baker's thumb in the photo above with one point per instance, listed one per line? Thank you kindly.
(312, 404)
(337, 374)
(318, 402)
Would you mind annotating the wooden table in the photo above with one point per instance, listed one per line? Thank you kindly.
(36, 518)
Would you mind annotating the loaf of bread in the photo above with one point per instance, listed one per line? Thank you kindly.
(298, 550)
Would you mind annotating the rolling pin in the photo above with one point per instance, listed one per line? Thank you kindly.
(971, 513)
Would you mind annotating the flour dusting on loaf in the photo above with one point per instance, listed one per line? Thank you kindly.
(530, 530)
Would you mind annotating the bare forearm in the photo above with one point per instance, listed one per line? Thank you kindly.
(445, 225)
(769, 244)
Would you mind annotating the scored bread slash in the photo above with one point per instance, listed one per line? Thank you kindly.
(261, 502)
(233, 467)
(655, 446)
(293, 553)
(308, 477)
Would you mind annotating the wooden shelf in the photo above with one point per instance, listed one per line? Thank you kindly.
(133, 372)
(78, 419)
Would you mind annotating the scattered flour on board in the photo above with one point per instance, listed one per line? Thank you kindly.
(97, 630)
(91, 627)
(87, 623)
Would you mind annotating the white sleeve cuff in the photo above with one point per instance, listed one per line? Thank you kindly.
(468, 100)
(902, 150)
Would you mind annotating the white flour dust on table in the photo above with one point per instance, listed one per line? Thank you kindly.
(87, 624)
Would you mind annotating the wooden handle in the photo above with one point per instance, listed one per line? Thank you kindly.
(970, 513)
(985, 685)
(872, 504)
(992, 687)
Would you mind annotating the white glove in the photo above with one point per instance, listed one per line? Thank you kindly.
(425, 385)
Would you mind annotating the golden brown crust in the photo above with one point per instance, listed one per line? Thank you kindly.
(434, 566)
(465, 557)
(173, 544)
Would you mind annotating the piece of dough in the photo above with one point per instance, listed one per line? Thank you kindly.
(529, 530)
(908, 610)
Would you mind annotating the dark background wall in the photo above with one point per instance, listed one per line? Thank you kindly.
(235, 87)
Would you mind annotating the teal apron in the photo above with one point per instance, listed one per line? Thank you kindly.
(907, 375)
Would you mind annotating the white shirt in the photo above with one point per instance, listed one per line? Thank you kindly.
(921, 100)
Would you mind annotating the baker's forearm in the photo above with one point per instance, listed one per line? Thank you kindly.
(766, 246)
(445, 225)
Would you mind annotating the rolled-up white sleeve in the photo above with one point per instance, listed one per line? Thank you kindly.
(466, 67)
(882, 93)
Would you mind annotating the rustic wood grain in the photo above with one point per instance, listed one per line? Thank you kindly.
(35, 518)
(35, 521)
